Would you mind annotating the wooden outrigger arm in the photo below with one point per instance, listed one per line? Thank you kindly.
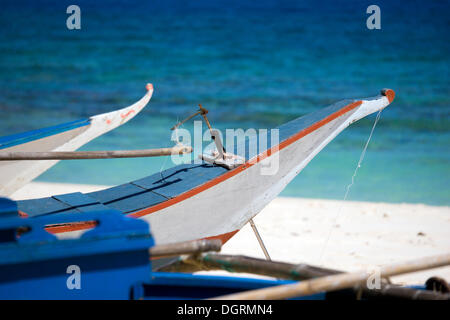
(187, 247)
(72, 155)
(283, 270)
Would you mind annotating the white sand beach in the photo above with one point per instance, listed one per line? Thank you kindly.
(341, 235)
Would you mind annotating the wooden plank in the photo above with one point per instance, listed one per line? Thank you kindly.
(127, 197)
(36, 207)
(179, 179)
(80, 202)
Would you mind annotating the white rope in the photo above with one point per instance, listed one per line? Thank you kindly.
(361, 158)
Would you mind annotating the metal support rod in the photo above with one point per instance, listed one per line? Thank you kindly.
(72, 155)
(261, 243)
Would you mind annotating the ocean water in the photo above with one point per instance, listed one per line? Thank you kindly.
(253, 65)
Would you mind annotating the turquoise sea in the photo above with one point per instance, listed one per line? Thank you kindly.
(253, 65)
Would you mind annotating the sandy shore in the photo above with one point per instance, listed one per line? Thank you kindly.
(335, 234)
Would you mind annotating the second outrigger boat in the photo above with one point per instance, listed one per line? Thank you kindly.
(207, 200)
(64, 137)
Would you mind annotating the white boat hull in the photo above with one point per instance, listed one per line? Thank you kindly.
(224, 208)
(15, 174)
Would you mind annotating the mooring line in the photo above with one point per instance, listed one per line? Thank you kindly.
(361, 158)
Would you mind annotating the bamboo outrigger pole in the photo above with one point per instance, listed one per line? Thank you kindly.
(283, 270)
(72, 155)
(337, 281)
(244, 264)
(188, 247)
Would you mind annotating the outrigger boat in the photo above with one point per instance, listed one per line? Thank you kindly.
(113, 261)
(64, 137)
(209, 200)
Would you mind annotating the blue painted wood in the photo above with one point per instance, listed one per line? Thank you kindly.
(115, 193)
(138, 201)
(172, 285)
(113, 257)
(24, 137)
(290, 128)
(179, 179)
(249, 148)
(8, 208)
(127, 197)
(80, 202)
(36, 207)
(113, 260)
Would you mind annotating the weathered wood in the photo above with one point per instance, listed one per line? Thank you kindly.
(337, 281)
(247, 265)
(289, 271)
(188, 247)
(72, 155)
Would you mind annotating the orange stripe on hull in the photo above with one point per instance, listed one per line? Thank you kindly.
(223, 237)
(22, 214)
(76, 226)
(91, 224)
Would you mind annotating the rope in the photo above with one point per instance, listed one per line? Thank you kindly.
(361, 158)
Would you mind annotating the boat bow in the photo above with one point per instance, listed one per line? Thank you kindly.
(65, 137)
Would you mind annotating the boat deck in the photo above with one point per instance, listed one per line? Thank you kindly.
(128, 197)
